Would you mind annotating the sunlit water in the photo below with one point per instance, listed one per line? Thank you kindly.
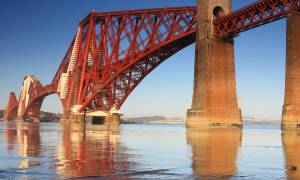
(52, 151)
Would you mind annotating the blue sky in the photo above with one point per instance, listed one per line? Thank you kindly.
(35, 35)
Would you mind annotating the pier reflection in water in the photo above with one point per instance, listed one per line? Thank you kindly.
(214, 152)
(291, 147)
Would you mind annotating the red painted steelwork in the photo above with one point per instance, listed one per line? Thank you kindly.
(254, 15)
(36, 97)
(117, 50)
(112, 52)
(11, 108)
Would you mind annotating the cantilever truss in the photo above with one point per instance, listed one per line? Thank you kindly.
(112, 52)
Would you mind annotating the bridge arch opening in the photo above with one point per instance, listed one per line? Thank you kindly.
(260, 71)
(51, 108)
(165, 92)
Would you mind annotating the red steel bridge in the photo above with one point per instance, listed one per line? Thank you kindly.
(112, 52)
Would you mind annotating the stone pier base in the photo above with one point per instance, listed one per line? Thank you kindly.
(111, 120)
(71, 118)
(218, 118)
(290, 118)
(36, 120)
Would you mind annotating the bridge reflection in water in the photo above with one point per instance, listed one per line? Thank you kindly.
(10, 132)
(291, 145)
(28, 142)
(35, 150)
(90, 152)
(81, 151)
(214, 151)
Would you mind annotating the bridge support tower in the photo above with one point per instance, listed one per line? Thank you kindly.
(291, 108)
(214, 95)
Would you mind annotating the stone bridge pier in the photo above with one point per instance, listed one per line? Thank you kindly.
(214, 95)
(291, 108)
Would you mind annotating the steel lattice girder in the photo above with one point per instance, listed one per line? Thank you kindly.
(254, 15)
(116, 50)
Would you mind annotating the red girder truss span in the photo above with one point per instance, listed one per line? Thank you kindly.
(254, 15)
(115, 51)
(112, 52)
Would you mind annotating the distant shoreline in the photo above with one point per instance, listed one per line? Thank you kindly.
(164, 120)
(54, 117)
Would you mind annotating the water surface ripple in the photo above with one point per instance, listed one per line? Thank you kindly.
(55, 151)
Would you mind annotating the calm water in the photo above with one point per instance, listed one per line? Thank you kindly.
(52, 151)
